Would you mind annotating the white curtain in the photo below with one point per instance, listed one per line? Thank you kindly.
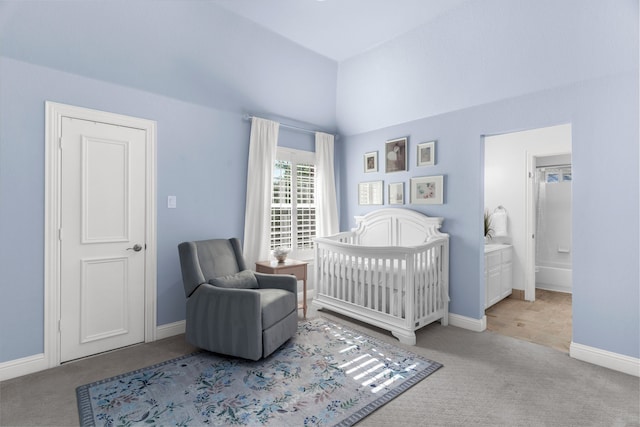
(327, 211)
(262, 156)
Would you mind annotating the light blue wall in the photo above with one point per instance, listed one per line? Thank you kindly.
(193, 51)
(485, 51)
(490, 67)
(604, 118)
(201, 157)
(499, 66)
(193, 68)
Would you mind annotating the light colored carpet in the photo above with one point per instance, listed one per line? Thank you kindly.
(487, 380)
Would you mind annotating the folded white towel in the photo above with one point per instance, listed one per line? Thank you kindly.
(499, 223)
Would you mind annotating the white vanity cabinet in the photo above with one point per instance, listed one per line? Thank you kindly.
(498, 273)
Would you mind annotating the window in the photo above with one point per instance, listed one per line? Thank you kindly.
(293, 209)
(558, 174)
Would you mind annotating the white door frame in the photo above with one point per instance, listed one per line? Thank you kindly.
(52, 255)
(529, 154)
(530, 224)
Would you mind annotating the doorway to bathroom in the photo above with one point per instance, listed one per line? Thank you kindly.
(527, 199)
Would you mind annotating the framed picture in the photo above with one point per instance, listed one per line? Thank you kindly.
(395, 151)
(396, 193)
(427, 190)
(371, 162)
(427, 153)
(370, 193)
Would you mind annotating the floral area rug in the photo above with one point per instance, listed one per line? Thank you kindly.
(326, 375)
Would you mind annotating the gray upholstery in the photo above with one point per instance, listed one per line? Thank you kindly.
(237, 321)
(242, 280)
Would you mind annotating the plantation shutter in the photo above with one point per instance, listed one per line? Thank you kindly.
(281, 206)
(293, 209)
(305, 205)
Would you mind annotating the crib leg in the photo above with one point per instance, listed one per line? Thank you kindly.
(405, 337)
(445, 320)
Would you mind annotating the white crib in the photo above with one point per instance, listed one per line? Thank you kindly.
(391, 271)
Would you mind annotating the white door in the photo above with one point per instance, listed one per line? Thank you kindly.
(102, 237)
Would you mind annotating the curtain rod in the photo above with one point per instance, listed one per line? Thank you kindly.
(561, 165)
(248, 117)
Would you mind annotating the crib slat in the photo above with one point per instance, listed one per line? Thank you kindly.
(347, 279)
(375, 284)
(440, 278)
(408, 295)
(335, 275)
(393, 286)
(401, 294)
(420, 292)
(351, 286)
(425, 285)
(343, 289)
(432, 276)
(367, 281)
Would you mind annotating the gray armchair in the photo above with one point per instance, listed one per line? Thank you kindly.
(232, 310)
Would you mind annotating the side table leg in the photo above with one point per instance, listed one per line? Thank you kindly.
(304, 298)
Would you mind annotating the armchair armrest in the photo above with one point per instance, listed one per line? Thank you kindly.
(219, 311)
(278, 281)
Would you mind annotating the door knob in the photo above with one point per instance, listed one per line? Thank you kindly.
(136, 248)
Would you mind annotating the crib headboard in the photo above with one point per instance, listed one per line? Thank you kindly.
(396, 227)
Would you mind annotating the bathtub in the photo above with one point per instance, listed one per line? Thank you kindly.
(554, 278)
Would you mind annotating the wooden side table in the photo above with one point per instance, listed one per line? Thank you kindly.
(289, 266)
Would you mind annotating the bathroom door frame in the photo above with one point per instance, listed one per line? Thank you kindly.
(530, 221)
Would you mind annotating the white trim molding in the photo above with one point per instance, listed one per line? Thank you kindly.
(170, 329)
(23, 366)
(607, 359)
(469, 323)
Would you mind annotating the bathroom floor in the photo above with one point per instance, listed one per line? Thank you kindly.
(547, 321)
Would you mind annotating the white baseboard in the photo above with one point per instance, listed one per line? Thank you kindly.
(38, 362)
(476, 325)
(617, 362)
(23, 366)
(170, 329)
(554, 288)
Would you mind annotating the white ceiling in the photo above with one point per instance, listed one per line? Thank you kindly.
(340, 29)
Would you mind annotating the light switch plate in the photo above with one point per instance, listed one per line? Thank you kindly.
(171, 202)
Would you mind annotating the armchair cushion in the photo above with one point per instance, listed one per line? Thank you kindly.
(242, 280)
(276, 304)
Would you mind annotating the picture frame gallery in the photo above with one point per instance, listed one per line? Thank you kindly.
(423, 190)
